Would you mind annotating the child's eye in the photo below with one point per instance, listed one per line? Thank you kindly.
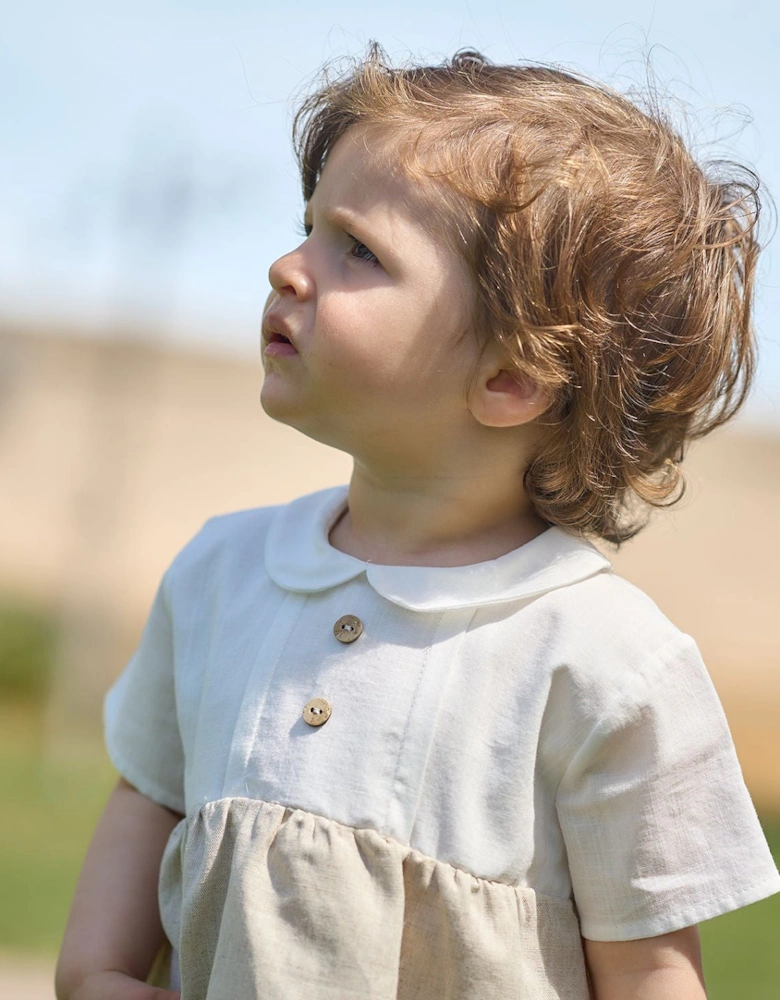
(357, 249)
(361, 251)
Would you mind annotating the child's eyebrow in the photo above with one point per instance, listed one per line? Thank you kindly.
(343, 217)
(339, 217)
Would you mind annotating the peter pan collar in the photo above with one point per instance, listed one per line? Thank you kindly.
(299, 557)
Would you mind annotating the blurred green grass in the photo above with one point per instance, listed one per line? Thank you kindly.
(51, 806)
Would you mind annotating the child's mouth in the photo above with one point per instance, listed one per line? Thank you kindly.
(279, 346)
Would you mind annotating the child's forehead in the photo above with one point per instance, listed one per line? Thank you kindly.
(367, 166)
(359, 170)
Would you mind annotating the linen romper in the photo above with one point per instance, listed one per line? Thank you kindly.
(518, 752)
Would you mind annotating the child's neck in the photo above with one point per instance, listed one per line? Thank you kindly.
(450, 523)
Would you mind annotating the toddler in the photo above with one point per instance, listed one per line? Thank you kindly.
(412, 737)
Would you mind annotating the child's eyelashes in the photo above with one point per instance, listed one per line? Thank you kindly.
(357, 249)
(361, 251)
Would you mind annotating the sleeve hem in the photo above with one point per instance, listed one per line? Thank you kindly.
(143, 783)
(675, 920)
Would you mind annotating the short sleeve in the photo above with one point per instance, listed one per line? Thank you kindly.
(659, 828)
(141, 727)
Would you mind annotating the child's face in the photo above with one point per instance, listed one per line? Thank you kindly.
(374, 302)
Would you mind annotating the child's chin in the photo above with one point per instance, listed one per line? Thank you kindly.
(275, 404)
(282, 407)
(276, 399)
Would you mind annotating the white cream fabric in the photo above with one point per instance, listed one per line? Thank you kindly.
(531, 728)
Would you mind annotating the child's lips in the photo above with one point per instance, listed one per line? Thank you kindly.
(279, 348)
(278, 342)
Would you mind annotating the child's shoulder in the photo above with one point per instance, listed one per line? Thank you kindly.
(607, 604)
(234, 538)
(616, 640)
(236, 541)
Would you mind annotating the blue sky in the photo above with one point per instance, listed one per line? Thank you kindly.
(146, 173)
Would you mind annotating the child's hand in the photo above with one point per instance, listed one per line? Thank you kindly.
(118, 986)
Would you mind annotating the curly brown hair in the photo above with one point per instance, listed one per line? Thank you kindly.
(613, 269)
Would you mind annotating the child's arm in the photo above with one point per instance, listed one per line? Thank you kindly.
(667, 967)
(114, 930)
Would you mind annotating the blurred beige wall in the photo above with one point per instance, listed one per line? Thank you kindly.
(113, 453)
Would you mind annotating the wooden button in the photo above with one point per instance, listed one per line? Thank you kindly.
(348, 628)
(316, 711)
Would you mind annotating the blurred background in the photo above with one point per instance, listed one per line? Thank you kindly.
(146, 184)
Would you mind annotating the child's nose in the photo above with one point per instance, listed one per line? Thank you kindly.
(289, 275)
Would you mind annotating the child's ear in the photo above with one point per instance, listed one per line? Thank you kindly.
(503, 398)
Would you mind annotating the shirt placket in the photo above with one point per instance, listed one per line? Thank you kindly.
(420, 731)
(267, 661)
